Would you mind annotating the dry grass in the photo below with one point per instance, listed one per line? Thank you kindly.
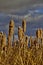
(20, 53)
(22, 56)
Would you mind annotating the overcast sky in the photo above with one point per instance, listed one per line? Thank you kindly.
(6, 5)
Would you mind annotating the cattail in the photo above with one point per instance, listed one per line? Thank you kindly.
(3, 41)
(0, 37)
(9, 41)
(26, 40)
(11, 28)
(31, 41)
(38, 33)
(24, 25)
(42, 41)
(20, 33)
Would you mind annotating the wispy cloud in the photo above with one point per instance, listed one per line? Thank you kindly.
(29, 17)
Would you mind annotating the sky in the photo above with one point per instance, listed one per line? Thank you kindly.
(7, 5)
(33, 16)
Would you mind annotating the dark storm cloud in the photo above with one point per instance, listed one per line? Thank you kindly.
(17, 4)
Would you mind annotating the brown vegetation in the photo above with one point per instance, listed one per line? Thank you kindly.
(20, 53)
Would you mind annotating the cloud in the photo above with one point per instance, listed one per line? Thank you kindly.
(29, 16)
(14, 5)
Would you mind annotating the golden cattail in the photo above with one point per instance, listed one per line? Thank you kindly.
(9, 41)
(0, 37)
(11, 28)
(26, 40)
(38, 33)
(42, 41)
(31, 41)
(4, 40)
(24, 25)
(20, 33)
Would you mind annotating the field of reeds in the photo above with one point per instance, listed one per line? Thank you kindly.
(26, 50)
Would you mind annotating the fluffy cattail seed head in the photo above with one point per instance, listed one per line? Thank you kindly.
(11, 27)
(20, 33)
